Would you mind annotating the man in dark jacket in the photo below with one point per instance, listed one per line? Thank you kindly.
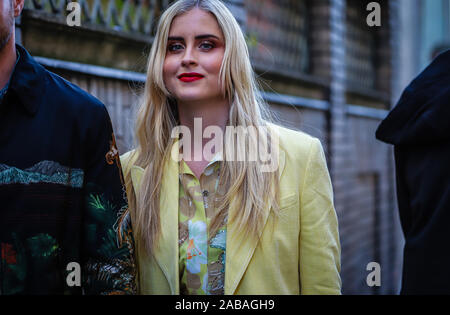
(419, 129)
(64, 227)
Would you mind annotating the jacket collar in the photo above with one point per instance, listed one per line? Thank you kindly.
(239, 248)
(28, 82)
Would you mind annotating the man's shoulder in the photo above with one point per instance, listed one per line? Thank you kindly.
(54, 90)
(69, 94)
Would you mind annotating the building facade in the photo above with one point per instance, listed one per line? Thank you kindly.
(323, 71)
(425, 29)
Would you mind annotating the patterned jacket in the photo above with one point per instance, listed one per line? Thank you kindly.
(64, 225)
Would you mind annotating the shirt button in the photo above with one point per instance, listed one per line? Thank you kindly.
(205, 193)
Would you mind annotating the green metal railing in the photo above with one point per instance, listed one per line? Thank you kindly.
(133, 16)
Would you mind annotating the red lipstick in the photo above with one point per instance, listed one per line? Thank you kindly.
(190, 77)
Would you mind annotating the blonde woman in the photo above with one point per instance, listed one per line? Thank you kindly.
(223, 223)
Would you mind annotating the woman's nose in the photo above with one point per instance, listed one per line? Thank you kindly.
(189, 58)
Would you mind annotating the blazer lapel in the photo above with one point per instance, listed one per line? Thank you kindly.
(136, 176)
(166, 253)
(239, 250)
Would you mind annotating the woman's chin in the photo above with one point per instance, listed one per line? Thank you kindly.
(191, 98)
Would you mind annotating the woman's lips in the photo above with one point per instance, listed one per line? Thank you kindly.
(190, 77)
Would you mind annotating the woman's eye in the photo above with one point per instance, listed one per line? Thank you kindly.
(175, 47)
(206, 45)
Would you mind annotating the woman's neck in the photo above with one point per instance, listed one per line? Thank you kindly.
(198, 117)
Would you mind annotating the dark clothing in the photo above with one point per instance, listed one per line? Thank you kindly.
(419, 128)
(62, 199)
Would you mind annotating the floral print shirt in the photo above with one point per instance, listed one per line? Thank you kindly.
(201, 257)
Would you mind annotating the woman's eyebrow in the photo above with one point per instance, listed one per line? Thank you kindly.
(206, 36)
(176, 38)
(180, 38)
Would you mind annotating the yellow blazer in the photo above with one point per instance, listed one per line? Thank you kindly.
(298, 252)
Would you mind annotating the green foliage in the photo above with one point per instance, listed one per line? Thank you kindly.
(42, 246)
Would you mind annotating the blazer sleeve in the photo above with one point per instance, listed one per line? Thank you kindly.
(319, 245)
(108, 246)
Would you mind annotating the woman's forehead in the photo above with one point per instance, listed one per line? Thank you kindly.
(193, 23)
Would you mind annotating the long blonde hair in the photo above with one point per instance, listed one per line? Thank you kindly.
(250, 188)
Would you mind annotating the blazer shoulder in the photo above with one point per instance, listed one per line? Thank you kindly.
(127, 160)
(296, 144)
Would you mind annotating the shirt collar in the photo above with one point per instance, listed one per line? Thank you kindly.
(5, 88)
(28, 82)
(185, 169)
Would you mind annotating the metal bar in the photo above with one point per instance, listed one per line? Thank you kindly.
(366, 112)
(296, 101)
(92, 70)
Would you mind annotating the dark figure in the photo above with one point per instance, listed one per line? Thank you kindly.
(419, 129)
(64, 224)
